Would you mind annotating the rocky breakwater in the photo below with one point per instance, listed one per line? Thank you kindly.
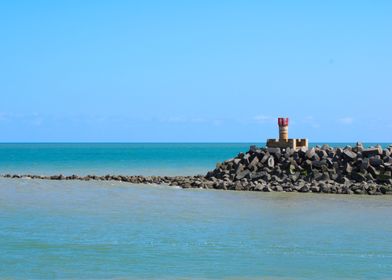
(183, 181)
(349, 170)
(323, 169)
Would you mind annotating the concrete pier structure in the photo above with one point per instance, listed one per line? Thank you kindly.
(284, 141)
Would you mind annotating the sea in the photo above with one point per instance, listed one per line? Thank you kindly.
(117, 230)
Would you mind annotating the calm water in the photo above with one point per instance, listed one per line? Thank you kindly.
(101, 159)
(65, 229)
(72, 229)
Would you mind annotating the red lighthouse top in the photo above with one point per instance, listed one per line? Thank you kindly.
(283, 121)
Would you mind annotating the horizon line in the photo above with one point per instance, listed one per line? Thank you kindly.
(175, 142)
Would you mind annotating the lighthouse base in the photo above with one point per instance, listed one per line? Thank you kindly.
(287, 143)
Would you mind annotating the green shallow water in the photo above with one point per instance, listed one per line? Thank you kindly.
(72, 229)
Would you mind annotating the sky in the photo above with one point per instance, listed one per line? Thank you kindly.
(195, 71)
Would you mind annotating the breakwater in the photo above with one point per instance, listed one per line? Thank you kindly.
(348, 170)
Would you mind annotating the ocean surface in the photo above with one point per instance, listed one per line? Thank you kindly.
(92, 230)
(127, 159)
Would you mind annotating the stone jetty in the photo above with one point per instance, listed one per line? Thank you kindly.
(323, 169)
(348, 170)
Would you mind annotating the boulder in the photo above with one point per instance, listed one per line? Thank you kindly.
(258, 175)
(242, 174)
(315, 189)
(359, 191)
(310, 153)
(358, 177)
(372, 152)
(359, 147)
(375, 161)
(271, 162)
(364, 164)
(274, 151)
(265, 157)
(304, 189)
(253, 148)
(245, 159)
(319, 163)
(322, 154)
(302, 152)
(239, 168)
(254, 162)
(349, 155)
(324, 188)
(289, 152)
(278, 188)
(238, 186)
(325, 147)
(348, 168)
(373, 171)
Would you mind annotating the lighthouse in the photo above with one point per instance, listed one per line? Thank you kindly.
(283, 128)
(284, 141)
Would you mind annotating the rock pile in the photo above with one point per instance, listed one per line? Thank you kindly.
(323, 169)
(184, 181)
(320, 169)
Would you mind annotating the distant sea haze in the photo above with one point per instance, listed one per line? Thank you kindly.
(122, 158)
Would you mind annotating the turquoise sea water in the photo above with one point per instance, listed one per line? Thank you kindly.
(51, 229)
(73, 229)
(101, 159)
(129, 159)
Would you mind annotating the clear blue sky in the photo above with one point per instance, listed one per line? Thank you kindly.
(195, 71)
